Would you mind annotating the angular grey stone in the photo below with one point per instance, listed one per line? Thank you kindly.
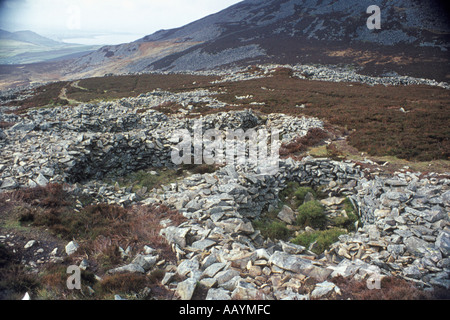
(47, 172)
(397, 196)
(291, 248)
(232, 189)
(185, 289)
(322, 289)
(246, 291)
(231, 284)
(72, 247)
(29, 244)
(435, 214)
(145, 261)
(416, 246)
(168, 276)
(188, 266)
(287, 215)
(175, 234)
(9, 183)
(208, 282)
(218, 294)
(129, 268)
(444, 263)
(232, 225)
(443, 243)
(309, 197)
(22, 126)
(84, 264)
(225, 276)
(203, 244)
(213, 269)
(446, 198)
(412, 272)
(441, 279)
(289, 262)
(288, 295)
(396, 249)
(241, 259)
(209, 260)
(41, 180)
(148, 250)
(262, 254)
(332, 201)
(318, 273)
(395, 183)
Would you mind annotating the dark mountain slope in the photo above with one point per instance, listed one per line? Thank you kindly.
(414, 40)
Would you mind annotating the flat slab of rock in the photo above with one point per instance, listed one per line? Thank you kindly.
(72, 247)
(129, 268)
(218, 294)
(332, 201)
(185, 289)
(289, 262)
(287, 215)
(322, 289)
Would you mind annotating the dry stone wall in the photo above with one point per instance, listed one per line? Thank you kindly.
(405, 217)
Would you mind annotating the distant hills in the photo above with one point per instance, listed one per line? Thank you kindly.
(23, 47)
(414, 40)
(29, 37)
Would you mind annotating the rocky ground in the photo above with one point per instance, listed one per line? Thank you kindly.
(402, 228)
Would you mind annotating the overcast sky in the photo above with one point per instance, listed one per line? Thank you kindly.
(137, 17)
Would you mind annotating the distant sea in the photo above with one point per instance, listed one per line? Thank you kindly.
(105, 39)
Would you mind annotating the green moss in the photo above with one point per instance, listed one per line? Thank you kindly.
(323, 239)
(272, 229)
(300, 194)
(312, 214)
(288, 191)
(347, 222)
(146, 178)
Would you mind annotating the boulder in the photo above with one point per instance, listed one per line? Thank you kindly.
(185, 289)
(323, 289)
(443, 243)
(146, 262)
(290, 262)
(72, 247)
(129, 268)
(188, 266)
(416, 246)
(287, 215)
(218, 294)
(9, 183)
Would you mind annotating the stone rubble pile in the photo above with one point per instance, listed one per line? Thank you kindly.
(220, 208)
(326, 73)
(405, 222)
(83, 142)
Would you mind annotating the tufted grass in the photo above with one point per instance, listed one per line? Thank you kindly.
(323, 239)
(312, 214)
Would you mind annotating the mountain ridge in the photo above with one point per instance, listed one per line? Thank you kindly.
(30, 37)
(414, 40)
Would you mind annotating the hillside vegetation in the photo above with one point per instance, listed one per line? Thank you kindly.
(407, 122)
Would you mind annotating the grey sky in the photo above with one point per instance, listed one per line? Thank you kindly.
(77, 17)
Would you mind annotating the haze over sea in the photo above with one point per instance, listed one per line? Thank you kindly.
(104, 39)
